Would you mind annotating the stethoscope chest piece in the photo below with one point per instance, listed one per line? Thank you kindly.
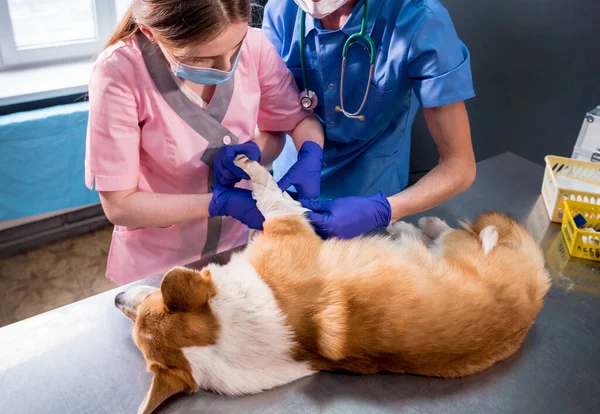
(308, 100)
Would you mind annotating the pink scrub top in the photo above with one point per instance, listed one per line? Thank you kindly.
(145, 132)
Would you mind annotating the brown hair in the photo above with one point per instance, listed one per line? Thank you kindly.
(179, 23)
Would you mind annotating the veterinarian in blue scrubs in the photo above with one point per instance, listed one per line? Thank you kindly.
(416, 59)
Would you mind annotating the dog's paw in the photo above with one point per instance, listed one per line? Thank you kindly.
(241, 160)
(257, 173)
(270, 200)
(401, 227)
(433, 226)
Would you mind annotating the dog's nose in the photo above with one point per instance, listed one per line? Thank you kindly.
(119, 299)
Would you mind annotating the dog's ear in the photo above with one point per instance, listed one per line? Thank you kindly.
(164, 385)
(187, 290)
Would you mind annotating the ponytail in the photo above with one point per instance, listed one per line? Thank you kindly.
(126, 28)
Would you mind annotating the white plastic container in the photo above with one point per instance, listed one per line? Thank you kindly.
(569, 179)
(587, 147)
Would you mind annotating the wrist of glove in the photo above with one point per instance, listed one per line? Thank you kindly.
(305, 174)
(237, 203)
(348, 217)
(227, 173)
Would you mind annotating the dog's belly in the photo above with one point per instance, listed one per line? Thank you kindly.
(388, 306)
(399, 325)
(437, 357)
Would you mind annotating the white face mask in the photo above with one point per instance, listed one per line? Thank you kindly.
(320, 9)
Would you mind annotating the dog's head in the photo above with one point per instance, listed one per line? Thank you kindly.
(167, 319)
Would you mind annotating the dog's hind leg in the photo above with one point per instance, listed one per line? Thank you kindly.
(437, 230)
(434, 227)
(400, 229)
(270, 200)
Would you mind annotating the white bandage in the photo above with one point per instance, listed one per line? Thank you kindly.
(270, 200)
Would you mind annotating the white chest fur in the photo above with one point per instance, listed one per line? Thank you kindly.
(252, 352)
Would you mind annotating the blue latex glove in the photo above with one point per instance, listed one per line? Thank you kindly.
(237, 203)
(305, 174)
(227, 173)
(348, 217)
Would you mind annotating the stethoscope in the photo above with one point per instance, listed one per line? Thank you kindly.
(308, 98)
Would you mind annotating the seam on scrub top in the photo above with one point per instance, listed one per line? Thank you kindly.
(135, 93)
(111, 50)
(257, 67)
(269, 18)
(419, 25)
(119, 177)
(170, 143)
(121, 82)
(250, 52)
(466, 60)
(454, 98)
(409, 97)
(110, 176)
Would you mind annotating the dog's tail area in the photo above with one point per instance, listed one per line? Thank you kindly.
(497, 229)
(488, 236)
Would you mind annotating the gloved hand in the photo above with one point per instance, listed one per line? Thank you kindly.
(305, 174)
(348, 217)
(237, 203)
(227, 173)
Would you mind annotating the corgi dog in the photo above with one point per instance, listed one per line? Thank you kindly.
(427, 300)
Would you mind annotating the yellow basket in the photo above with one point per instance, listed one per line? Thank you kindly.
(569, 272)
(582, 243)
(554, 195)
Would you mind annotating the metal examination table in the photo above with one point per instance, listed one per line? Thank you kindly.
(81, 358)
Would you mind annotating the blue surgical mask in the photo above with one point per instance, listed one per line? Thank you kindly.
(203, 76)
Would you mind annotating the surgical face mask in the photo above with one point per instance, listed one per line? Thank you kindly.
(320, 9)
(202, 76)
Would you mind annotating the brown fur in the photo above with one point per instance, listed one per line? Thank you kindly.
(365, 305)
(174, 317)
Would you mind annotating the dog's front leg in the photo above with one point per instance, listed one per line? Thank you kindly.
(288, 247)
(283, 215)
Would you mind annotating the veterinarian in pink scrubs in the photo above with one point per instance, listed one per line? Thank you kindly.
(179, 81)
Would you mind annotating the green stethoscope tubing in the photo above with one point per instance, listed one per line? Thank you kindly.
(356, 36)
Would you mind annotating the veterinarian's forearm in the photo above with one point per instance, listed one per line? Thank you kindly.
(270, 143)
(449, 127)
(310, 129)
(142, 209)
(440, 184)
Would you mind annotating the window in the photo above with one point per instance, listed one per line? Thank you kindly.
(40, 31)
(122, 6)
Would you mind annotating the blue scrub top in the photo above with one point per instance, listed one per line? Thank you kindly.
(420, 60)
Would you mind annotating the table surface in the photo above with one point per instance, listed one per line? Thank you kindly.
(81, 358)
